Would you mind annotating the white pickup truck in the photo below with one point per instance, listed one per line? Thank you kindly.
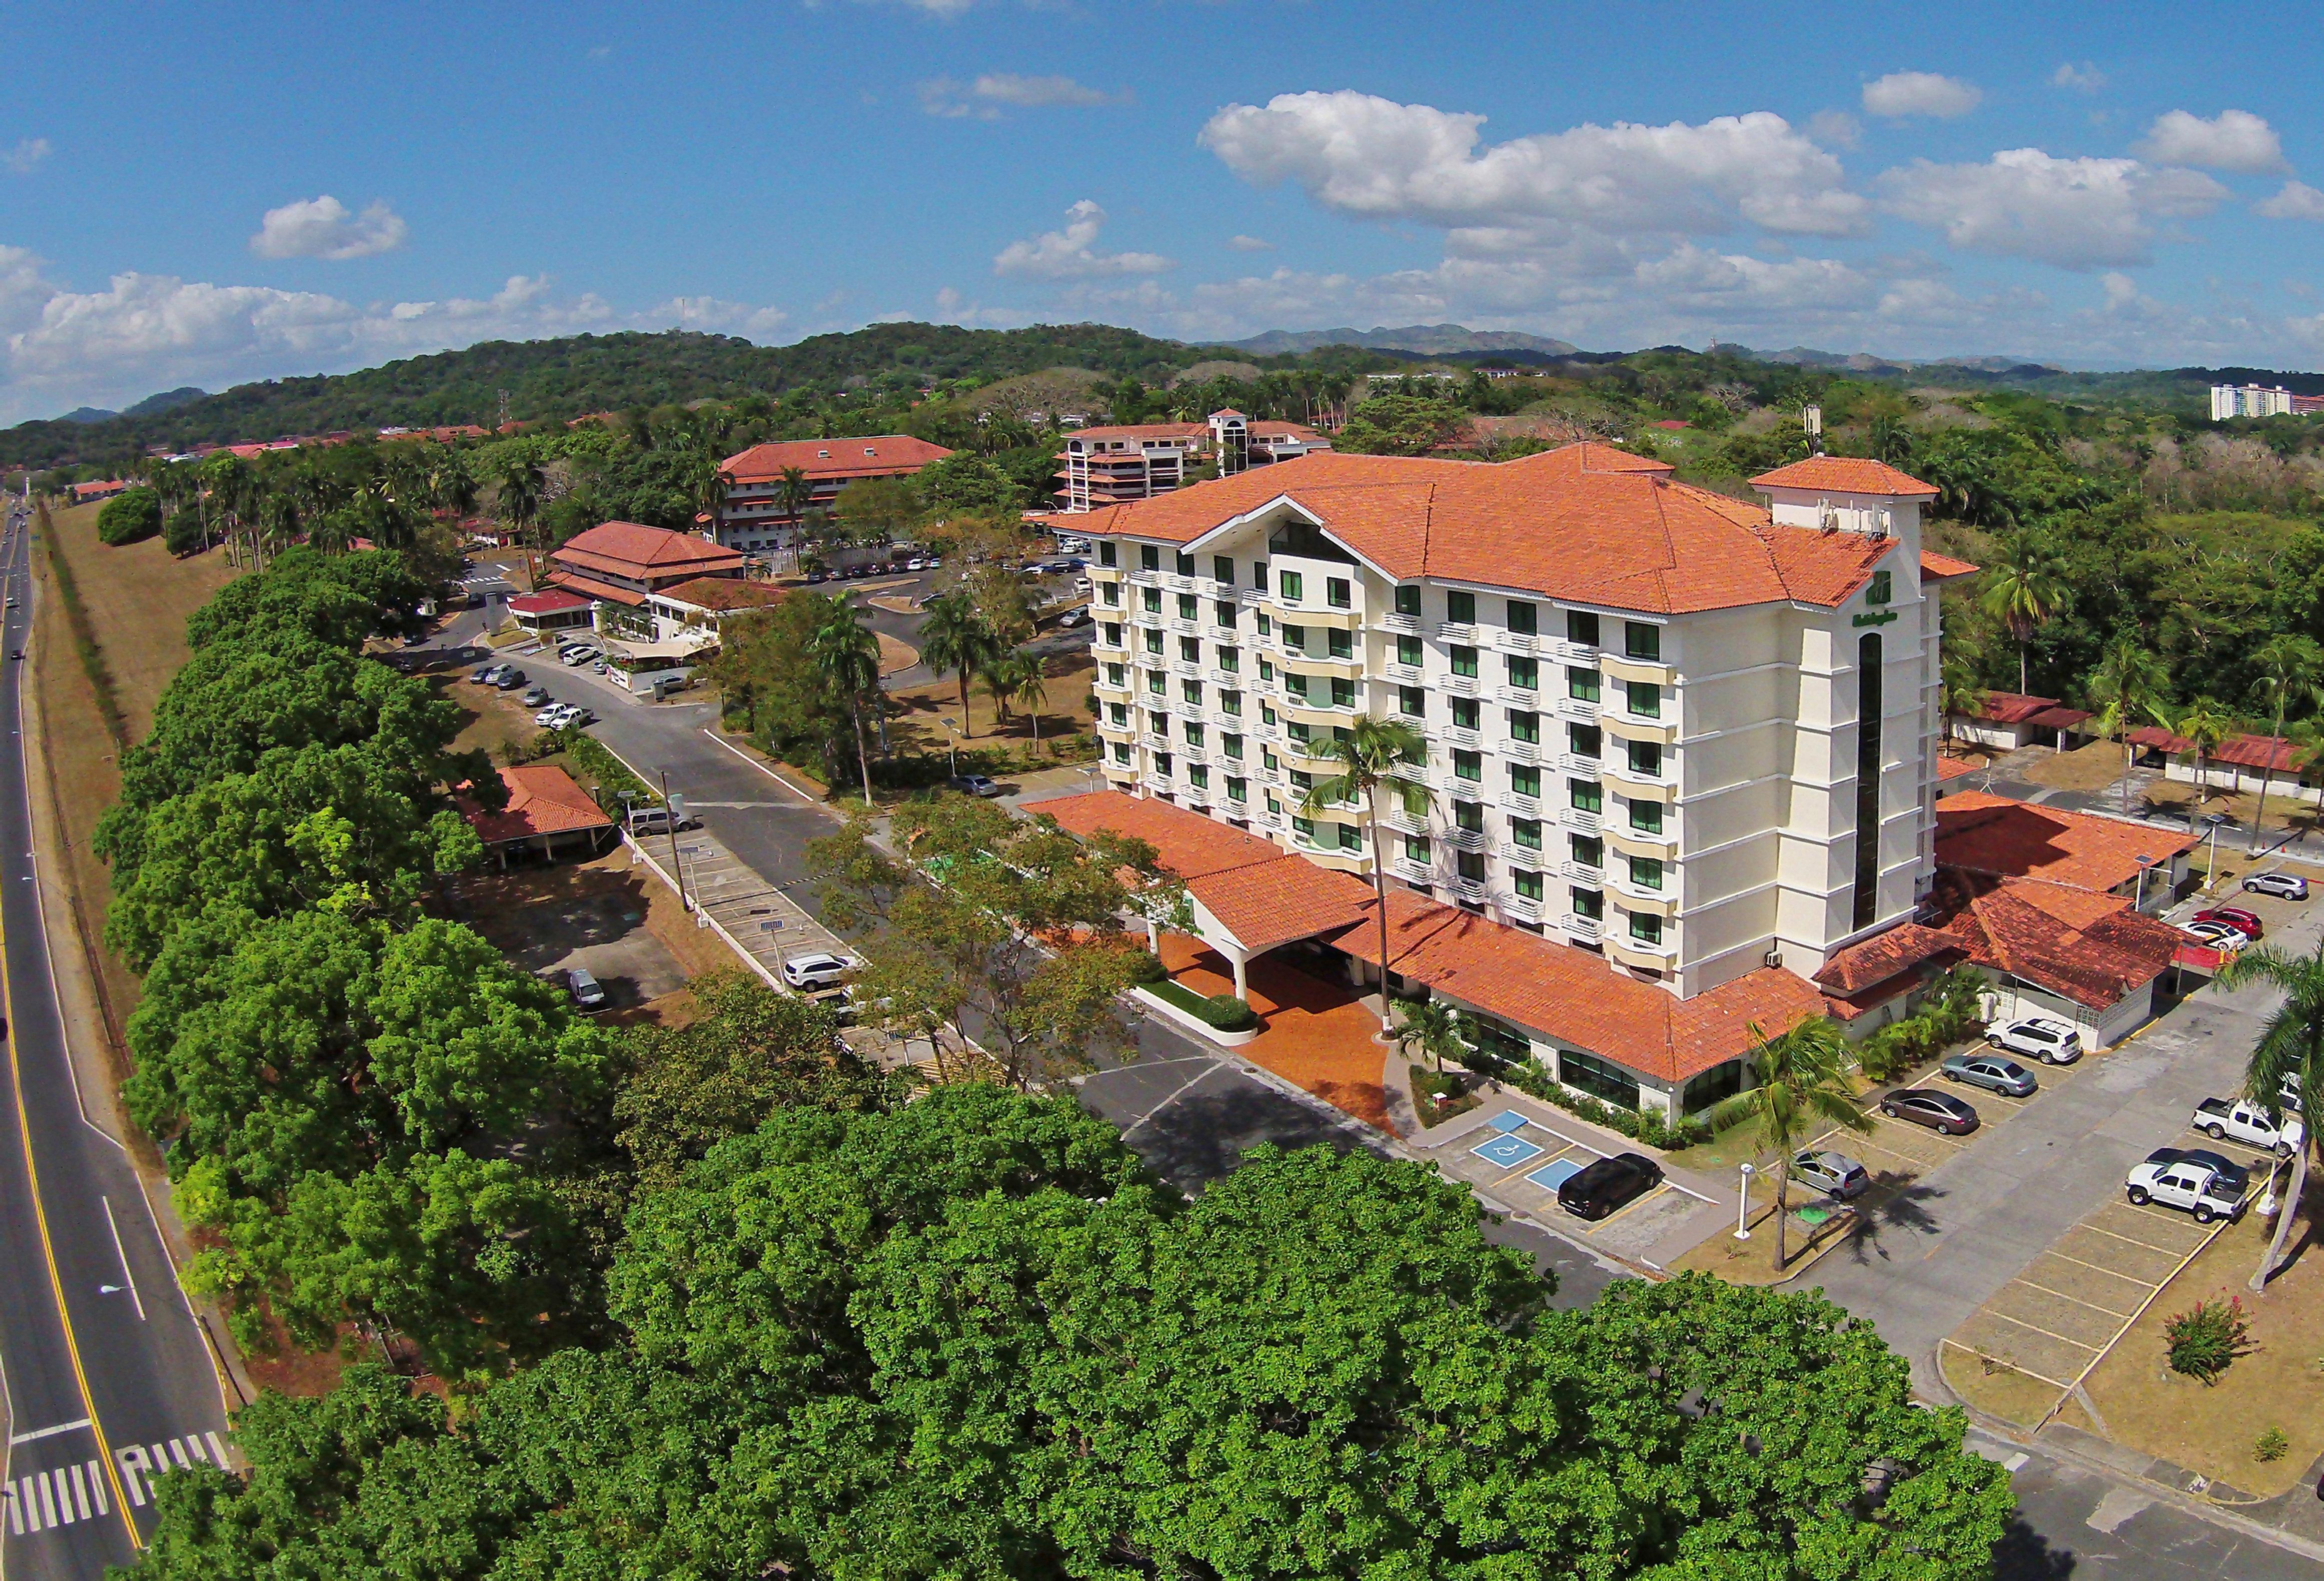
(2184, 1184)
(2221, 1118)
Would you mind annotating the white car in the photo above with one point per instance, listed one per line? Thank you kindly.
(2040, 1037)
(2246, 1122)
(2218, 936)
(915, 565)
(2184, 1184)
(552, 718)
(578, 655)
(817, 969)
(2284, 887)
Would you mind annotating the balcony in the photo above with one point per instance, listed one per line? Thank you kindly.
(1155, 741)
(1647, 670)
(1467, 839)
(1633, 952)
(1146, 578)
(1587, 768)
(1522, 854)
(1251, 597)
(1401, 625)
(1402, 821)
(1583, 927)
(1585, 710)
(1178, 583)
(1580, 822)
(1401, 674)
(1230, 679)
(1406, 868)
(1525, 908)
(1653, 787)
(1516, 642)
(1582, 873)
(1151, 619)
(1459, 686)
(1517, 805)
(1625, 726)
(1521, 697)
(1524, 752)
(1461, 736)
(1465, 635)
(1470, 889)
(1185, 627)
(1582, 653)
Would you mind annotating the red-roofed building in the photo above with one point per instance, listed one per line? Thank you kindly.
(1112, 465)
(758, 516)
(1999, 837)
(2239, 763)
(2009, 720)
(103, 489)
(548, 814)
(701, 606)
(1691, 733)
(618, 565)
(553, 609)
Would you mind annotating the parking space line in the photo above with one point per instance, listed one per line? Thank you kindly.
(1585, 1147)
(2100, 1267)
(2013, 1366)
(2036, 1328)
(2127, 1240)
(2062, 1296)
(1634, 1202)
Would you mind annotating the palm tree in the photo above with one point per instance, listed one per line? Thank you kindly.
(2289, 667)
(1957, 692)
(953, 638)
(2026, 591)
(1431, 1026)
(1376, 752)
(523, 485)
(1802, 1086)
(2128, 688)
(1029, 686)
(2206, 724)
(2290, 1046)
(793, 492)
(846, 654)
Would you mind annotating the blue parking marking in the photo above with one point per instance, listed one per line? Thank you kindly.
(1508, 1120)
(1555, 1173)
(1507, 1152)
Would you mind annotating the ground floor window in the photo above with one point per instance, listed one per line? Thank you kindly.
(1600, 1078)
(1718, 1083)
(1491, 1037)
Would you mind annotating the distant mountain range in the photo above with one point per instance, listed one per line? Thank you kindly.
(1420, 339)
(1859, 361)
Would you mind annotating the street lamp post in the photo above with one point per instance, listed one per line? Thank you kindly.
(1743, 1206)
(2143, 864)
(2211, 864)
(951, 743)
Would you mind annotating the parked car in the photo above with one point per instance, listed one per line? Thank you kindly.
(2284, 887)
(2040, 1037)
(2233, 1176)
(915, 565)
(579, 714)
(656, 821)
(484, 675)
(1073, 619)
(1993, 1072)
(1600, 1189)
(2247, 923)
(2183, 1183)
(535, 696)
(2246, 1122)
(982, 785)
(551, 717)
(2218, 936)
(589, 994)
(1834, 1174)
(579, 653)
(1939, 1112)
(817, 969)
(510, 680)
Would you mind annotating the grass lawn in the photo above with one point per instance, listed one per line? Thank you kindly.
(926, 711)
(1753, 1261)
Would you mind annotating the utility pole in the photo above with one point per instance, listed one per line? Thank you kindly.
(671, 819)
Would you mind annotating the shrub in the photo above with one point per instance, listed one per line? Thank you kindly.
(2205, 1340)
(1227, 1014)
(2271, 1445)
(1147, 968)
(129, 517)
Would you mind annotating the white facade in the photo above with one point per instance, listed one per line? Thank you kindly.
(2248, 401)
(1679, 791)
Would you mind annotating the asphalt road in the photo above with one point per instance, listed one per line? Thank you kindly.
(103, 1365)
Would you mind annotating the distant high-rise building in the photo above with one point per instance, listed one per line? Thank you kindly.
(2258, 401)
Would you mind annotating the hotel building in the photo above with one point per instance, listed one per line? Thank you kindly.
(1690, 732)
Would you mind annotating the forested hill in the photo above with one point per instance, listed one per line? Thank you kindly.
(563, 378)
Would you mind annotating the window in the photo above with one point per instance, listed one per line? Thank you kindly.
(1189, 606)
(1198, 776)
(1582, 683)
(1524, 780)
(1258, 575)
(1266, 623)
(1229, 702)
(1194, 733)
(1114, 676)
(1461, 608)
(1645, 873)
(1647, 816)
(1293, 586)
(1106, 555)
(1525, 674)
(1588, 850)
(1522, 618)
(1191, 690)
(1468, 765)
(1466, 714)
(1231, 743)
(1154, 681)
(1415, 801)
(1266, 669)
(1190, 650)
(1336, 592)
(1302, 780)
(1294, 636)
(1581, 628)
(1121, 748)
(1597, 1077)
(1645, 699)
(1587, 902)
(1223, 568)
(1582, 740)
(1295, 685)
(1230, 659)
(1646, 928)
(1527, 884)
(1415, 849)
(1304, 828)
(1149, 558)
(1464, 662)
(1525, 832)
(1351, 838)
(1112, 633)
(1266, 714)
(1158, 721)
(1642, 640)
(1343, 692)
(1183, 563)
(1338, 643)
(1407, 652)
(1408, 601)
(1273, 805)
(1470, 865)
(1223, 613)
(1646, 759)
(1412, 702)
(1162, 764)
(1299, 731)
(1117, 714)
(1238, 788)
(1268, 761)
(1525, 726)
(1152, 601)
(1878, 590)
(1111, 594)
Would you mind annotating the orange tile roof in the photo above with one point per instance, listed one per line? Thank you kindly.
(2000, 707)
(1191, 846)
(1843, 475)
(550, 602)
(2161, 740)
(2092, 950)
(1941, 568)
(1142, 430)
(2271, 753)
(722, 594)
(1885, 954)
(2002, 837)
(543, 799)
(1274, 902)
(631, 549)
(1587, 522)
(878, 456)
(591, 587)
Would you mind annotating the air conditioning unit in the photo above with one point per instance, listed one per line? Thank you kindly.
(1774, 957)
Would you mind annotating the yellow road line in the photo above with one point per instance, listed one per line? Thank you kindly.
(48, 1251)
(2062, 1296)
(2037, 1328)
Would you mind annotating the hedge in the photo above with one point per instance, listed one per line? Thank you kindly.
(1223, 1012)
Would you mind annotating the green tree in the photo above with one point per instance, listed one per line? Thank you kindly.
(1399, 424)
(1429, 1026)
(2290, 666)
(2289, 1055)
(1029, 686)
(847, 658)
(2206, 723)
(1800, 1086)
(520, 490)
(2025, 586)
(2129, 689)
(875, 511)
(964, 485)
(130, 516)
(793, 491)
(1375, 753)
(953, 638)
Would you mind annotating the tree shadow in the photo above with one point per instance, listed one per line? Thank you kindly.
(2024, 1554)
(1897, 1202)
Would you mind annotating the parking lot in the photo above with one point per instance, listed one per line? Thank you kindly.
(1520, 1160)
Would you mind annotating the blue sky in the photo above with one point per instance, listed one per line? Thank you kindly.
(190, 195)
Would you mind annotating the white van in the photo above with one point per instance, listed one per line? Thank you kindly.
(651, 820)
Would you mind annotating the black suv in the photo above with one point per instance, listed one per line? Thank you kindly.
(1606, 1186)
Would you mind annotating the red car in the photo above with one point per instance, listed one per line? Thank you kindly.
(2236, 916)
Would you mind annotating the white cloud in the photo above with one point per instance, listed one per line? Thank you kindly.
(1921, 93)
(321, 227)
(1251, 244)
(1378, 158)
(2297, 200)
(2234, 139)
(2085, 77)
(717, 316)
(1071, 254)
(1836, 127)
(2074, 213)
(1039, 92)
(27, 156)
(941, 95)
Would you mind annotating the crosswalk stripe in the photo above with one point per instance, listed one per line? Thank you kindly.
(81, 1490)
(65, 1516)
(97, 1487)
(48, 1504)
(194, 1442)
(178, 1448)
(15, 1512)
(218, 1450)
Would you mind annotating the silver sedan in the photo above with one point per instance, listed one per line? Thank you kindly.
(1834, 1174)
